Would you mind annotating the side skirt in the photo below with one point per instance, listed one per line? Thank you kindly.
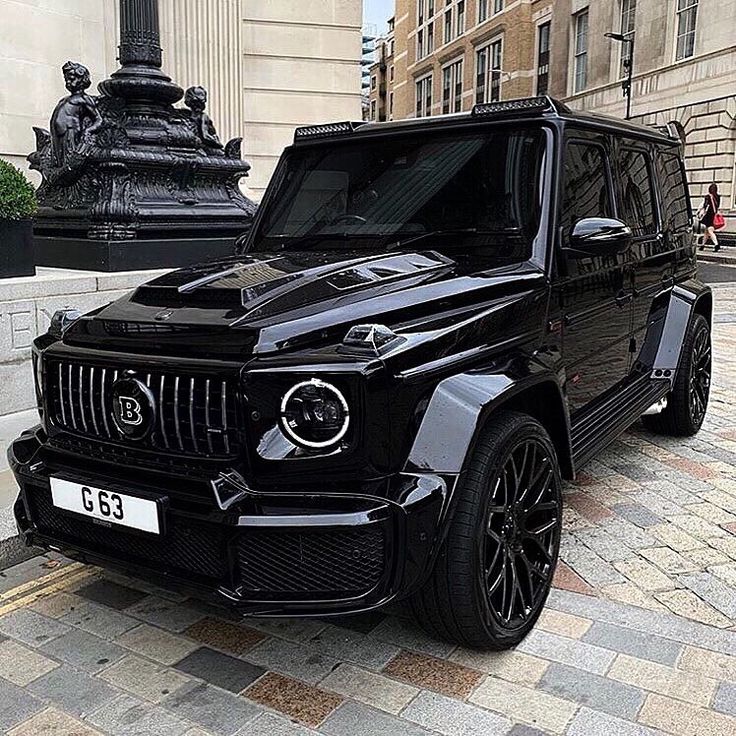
(602, 424)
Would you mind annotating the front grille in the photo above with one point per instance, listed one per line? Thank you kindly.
(311, 563)
(195, 414)
(186, 548)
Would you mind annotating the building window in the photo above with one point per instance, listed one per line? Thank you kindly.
(488, 64)
(687, 19)
(497, 6)
(628, 25)
(373, 109)
(430, 38)
(460, 18)
(581, 51)
(391, 47)
(373, 82)
(420, 43)
(424, 96)
(543, 58)
(482, 10)
(430, 9)
(420, 12)
(452, 87)
(391, 73)
(390, 105)
(448, 25)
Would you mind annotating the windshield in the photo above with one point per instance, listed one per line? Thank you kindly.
(474, 194)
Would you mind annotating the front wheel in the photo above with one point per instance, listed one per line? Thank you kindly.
(688, 401)
(495, 569)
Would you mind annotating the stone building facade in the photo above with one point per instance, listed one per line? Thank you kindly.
(684, 70)
(443, 56)
(269, 65)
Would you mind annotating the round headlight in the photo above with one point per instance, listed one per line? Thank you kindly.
(314, 414)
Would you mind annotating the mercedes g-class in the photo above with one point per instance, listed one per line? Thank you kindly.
(431, 323)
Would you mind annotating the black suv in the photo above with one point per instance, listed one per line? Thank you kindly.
(430, 325)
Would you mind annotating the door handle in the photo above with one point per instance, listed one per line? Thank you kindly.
(623, 298)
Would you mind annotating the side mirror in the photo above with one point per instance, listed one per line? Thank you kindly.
(599, 236)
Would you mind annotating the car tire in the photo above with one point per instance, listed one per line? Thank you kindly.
(502, 542)
(688, 401)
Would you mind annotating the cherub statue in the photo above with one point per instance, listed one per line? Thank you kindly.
(195, 99)
(76, 118)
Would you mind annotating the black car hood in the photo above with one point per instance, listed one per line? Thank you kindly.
(270, 302)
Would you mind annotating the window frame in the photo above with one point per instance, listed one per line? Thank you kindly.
(630, 146)
(692, 6)
(546, 24)
(579, 55)
(627, 16)
(488, 79)
(455, 69)
(425, 81)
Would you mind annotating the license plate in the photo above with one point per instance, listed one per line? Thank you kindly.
(105, 505)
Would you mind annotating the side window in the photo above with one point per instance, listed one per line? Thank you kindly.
(675, 196)
(587, 191)
(636, 196)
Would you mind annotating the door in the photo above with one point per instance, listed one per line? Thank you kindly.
(652, 251)
(595, 291)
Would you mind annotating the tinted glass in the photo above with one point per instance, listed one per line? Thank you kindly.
(675, 198)
(636, 206)
(410, 189)
(587, 189)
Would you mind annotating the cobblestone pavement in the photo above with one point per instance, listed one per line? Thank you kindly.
(638, 638)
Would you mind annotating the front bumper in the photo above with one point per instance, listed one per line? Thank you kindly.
(310, 553)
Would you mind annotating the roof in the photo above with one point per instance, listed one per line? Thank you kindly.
(529, 108)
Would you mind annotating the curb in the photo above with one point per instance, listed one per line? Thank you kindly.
(726, 260)
(13, 551)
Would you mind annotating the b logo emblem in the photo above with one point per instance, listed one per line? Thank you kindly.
(133, 408)
(130, 411)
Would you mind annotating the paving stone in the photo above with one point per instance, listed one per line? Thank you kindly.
(712, 590)
(674, 537)
(369, 687)
(519, 703)
(685, 720)
(567, 579)
(16, 705)
(356, 719)
(21, 665)
(270, 724)
(75, 692)
(295, 660)
(688, 604)
(591, 723)
(510, 665)
(407, 635)
(564, 624)
(725, 701)
(691, 687)
(83, 650)
(363, 623)
(57, 605)
(626, 641)
(30, 627)
(292, 629)
(52, 722)
(110, 594)
(592, 568)
(632, 595)
(521, 730)
(157, 644)
(99, 620)
(216, 668)
(351, 646)
(711, 664)
(644, 575)
(668, 560)
(224, 635)
(449, 678)
(144, 679)
(453, 718)
(128, 716)
(216, 710)
(697, 527)
(305, 703)
(712, 513)
(604, 544)
(706, 557)
(725, 544)
(169, 615)
(588, 507)
(725, 572)
(637, 514)
(567, 651)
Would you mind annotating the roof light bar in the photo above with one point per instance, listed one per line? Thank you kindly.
(528, 105)
(326, 130)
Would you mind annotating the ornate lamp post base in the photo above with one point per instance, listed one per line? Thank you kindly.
(129, 180)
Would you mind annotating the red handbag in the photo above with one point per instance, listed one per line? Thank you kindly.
(719, 221)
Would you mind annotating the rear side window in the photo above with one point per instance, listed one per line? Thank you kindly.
(675, 197)
(637, 208)
(587, 190)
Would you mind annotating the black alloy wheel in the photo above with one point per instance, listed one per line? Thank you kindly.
(701, 366)
(522, 534)
(495, 568)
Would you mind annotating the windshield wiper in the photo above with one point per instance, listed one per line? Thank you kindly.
(430, 233)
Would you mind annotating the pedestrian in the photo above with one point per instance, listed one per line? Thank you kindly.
(710, 218)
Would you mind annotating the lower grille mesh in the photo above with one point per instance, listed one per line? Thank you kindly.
(188, 548)
(304, 563)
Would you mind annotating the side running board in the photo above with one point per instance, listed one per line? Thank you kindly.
(604, 423)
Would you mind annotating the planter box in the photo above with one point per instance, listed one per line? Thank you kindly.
(16, 248)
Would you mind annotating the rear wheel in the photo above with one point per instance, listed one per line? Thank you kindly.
(688, 401)
(495, 569)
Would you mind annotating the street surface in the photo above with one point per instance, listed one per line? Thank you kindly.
(638, 638)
